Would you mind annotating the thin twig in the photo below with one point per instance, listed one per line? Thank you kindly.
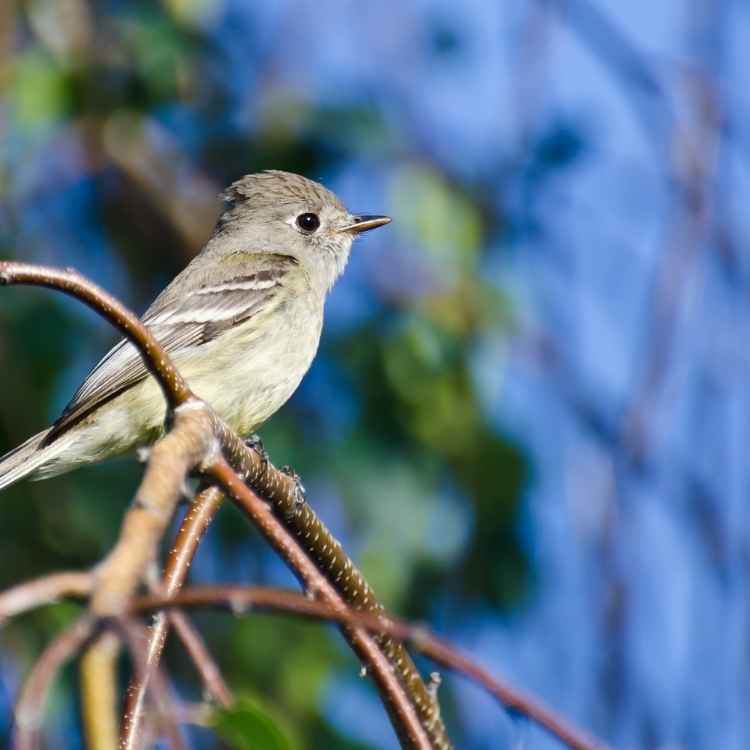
(197, 519)
(213, 681)
(238, 599)
(70, 282)
(626, 63)
(136, 639)
(30, 706)
(696, 160)
(45, 590)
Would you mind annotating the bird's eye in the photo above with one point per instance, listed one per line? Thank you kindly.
(308, 222)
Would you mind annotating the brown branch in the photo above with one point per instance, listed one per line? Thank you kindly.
(172, 458)
(33, 698)
(97, 686)
(213, 681)
(411, 731)
(155, 500)
(70, 282)
(136, 639)
(45, 590)
(236, 599)
(281, 491)
(53, 588)
(192, 528)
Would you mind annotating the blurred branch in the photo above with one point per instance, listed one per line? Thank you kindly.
(532, 65)
(33, 698)
(45, 590)
(693, 152)
(136, 640)
(145, 152)
(236, 599)
(696, 157)
(623, 59)
(213, 681)
(197, 519)
(30, 707)
(98, 689)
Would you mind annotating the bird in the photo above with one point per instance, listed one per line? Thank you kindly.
(242, 323)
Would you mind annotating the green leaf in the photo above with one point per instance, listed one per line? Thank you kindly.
(247, 726)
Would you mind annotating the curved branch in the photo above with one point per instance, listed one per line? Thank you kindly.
(151, 510)
(410, 729)
(33, 698)
(70, 282)
(281, 491)
(236, 599)
(193, 526)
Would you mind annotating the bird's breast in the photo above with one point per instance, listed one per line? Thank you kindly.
(252, 371)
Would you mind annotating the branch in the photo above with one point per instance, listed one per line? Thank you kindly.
(146, 521)
(70, 282)
(136, 639)
(98, 691)
(30, 706)
(408, 726)
(282, 492)
(237, 599)
(622, 58)
(193, 526)
(33, 698)
(45, 590)
(208, 669)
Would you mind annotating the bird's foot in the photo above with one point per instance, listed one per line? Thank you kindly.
(299, 489)
(254, 442)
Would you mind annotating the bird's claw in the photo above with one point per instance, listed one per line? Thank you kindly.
(254, 442)
(299, 488)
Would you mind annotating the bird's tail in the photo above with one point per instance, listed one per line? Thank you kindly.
(26, 459)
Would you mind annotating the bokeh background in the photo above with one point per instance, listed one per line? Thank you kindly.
(528, 416)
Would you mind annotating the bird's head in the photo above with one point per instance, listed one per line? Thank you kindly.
(286, 213)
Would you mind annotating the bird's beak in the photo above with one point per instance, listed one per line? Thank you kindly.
(363, 223)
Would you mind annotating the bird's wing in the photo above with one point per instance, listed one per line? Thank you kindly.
(237, 292)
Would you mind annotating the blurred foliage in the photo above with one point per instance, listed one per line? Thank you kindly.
(248, 726)
(121, 122)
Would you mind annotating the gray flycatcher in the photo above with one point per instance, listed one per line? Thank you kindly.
(241, 322)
